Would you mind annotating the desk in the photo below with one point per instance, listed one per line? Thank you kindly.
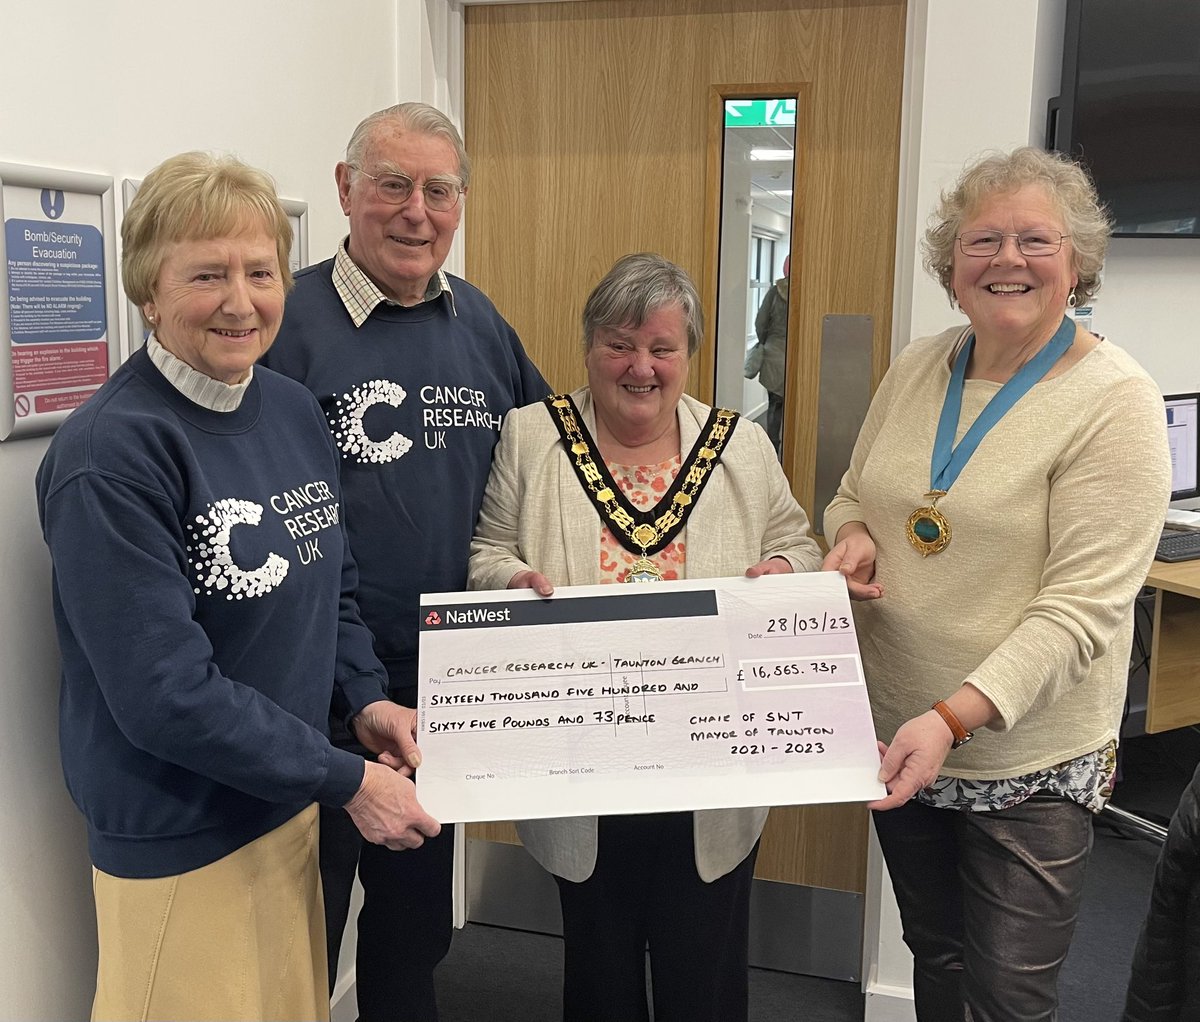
(1173, 699)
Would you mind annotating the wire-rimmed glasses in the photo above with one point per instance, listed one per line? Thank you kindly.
(397, 189)
(985, 244)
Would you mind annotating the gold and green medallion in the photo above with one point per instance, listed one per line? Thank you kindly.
(927, 528)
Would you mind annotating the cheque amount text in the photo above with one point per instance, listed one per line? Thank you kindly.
(794, 669)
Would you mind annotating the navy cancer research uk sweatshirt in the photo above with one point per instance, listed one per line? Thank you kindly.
(200, 567)
(414, 398)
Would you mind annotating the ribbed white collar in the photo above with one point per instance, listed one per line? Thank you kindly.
(195, 385)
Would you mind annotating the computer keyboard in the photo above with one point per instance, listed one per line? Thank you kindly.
(1179, 545)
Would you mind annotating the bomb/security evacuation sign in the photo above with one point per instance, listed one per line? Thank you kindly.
(59, 318)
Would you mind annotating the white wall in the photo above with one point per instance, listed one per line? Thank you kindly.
(1149, 305)
(960, 105)
(112, 89)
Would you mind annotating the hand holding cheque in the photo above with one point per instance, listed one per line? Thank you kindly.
(712, 693)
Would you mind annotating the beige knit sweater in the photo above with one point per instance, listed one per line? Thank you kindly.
(1055, 520)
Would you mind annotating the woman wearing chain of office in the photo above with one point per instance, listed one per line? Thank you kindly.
(677, 489)
(1005, 495)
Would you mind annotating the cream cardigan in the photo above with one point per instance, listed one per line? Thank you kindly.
(535, 514)
(1055, 520)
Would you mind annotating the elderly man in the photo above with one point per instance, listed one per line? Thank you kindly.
(415, 370)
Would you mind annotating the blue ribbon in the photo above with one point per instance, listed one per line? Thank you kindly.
(948, 461)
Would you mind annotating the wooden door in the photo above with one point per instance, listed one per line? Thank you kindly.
(588, 126)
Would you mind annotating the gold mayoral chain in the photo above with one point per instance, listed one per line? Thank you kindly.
(641, 532)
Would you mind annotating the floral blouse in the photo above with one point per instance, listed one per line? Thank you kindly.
(643, 486)
(1087, 779)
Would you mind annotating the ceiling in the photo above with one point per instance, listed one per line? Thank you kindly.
(768, 177)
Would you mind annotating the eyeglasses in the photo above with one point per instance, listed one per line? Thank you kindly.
(397, 189)
(1031, 243)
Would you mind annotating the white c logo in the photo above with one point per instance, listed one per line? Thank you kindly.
(212, 559)
(346, 422)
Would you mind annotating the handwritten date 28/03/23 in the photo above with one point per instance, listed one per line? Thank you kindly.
(799, 624)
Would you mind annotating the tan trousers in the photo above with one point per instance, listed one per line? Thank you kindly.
(240, 939)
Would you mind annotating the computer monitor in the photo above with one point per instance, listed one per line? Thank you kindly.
(1183, 436)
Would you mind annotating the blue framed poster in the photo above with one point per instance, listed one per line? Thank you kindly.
(59, 332)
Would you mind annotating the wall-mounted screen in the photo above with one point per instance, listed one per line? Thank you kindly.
(1130, 110)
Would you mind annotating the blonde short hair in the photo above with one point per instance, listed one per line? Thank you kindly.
(1065, 182)
(197, 196)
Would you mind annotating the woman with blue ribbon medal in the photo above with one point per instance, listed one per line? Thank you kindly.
(996, 669)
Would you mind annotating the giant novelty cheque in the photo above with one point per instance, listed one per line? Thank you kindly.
(699, 694)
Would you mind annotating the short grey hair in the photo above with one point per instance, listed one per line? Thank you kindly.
(1065, 182)
(634, 289)
(420, 118)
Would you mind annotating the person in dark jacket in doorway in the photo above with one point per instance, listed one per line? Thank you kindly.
(770, 355)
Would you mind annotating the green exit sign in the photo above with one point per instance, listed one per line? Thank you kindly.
(760, 113)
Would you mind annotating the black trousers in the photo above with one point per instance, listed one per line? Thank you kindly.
(989, 902)
(405, 923)
(645, 891)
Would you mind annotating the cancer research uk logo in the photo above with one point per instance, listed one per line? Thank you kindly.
(208, 550)
(346, 423)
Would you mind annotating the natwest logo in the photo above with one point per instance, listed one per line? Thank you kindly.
(459, 616)
(476, 615)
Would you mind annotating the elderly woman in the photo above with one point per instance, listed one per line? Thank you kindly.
(203, 597)
(1006, 493)
(678, 881)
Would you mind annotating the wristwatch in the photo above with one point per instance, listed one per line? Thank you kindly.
(961, 734)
